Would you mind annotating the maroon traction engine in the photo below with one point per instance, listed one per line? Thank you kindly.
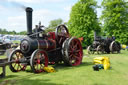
(38, 51)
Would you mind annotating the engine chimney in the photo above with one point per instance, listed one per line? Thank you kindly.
(95, 35)
(29, 20)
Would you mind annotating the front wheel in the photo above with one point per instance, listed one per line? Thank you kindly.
(16, 56)
(38, 61)
(100, 49)
(90, 50)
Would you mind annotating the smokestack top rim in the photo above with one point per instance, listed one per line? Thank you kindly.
(29, 9)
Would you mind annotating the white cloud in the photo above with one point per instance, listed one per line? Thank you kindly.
(43, 15)
(36, 1)
(16, 19)
(54, 0)
(17, 23)
(24, 1)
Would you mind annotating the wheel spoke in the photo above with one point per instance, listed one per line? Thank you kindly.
(40, 68)
(77, 51)
(72, 44)
(41, 65)
(75, 47)
(70, 59)
(77, 58)
(13, 58)
(71, 48)
(69, 51)
(14, 65)
(17, 55)
(24, 67)
(70, 55)
(37, 66)
(18, 68)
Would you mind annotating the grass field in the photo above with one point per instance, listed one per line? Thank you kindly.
(79, 75)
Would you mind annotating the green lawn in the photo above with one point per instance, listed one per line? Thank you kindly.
(79, 75)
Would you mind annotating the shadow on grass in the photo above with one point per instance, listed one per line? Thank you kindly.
(4, 81)
(85, 64)
(29, 71)
(27, 81)
(57, 67)
(11, 76)
(44, 81)
(65, 67)
(105, 53)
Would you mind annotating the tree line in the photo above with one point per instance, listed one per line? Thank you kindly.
(4, 31)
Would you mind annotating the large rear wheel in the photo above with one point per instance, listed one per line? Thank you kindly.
(115, 47)
(72, 52)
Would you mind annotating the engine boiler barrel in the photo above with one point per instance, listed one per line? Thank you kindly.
(28, 45)
(46, 44)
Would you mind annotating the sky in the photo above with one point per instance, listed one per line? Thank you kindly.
(13, 16)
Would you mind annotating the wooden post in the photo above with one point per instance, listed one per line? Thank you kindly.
(3, 63)
(2, 75)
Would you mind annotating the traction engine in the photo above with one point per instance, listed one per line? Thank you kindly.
(101, 45)
(39, 49)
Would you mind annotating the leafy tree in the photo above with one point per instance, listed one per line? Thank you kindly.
(4, 31)
(115, 18)
(22, 33)
(13, 32)
(83, 20)
(53, 24)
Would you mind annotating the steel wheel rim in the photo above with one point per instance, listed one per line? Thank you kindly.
(114, 46)
(90, 50)
(100, 49)
(75, 52)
